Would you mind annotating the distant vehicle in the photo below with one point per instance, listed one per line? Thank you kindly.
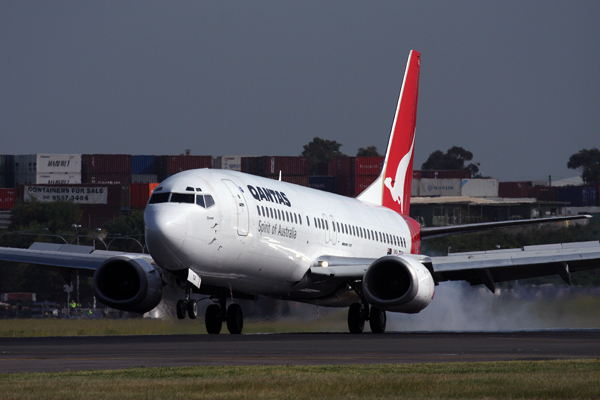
(231, 235)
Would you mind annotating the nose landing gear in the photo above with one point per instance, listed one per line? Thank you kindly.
(188, 305)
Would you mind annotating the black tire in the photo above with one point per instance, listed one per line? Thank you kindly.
(192, 309)
(356, 322)
(377, 320)
(235, 319)
(181, 306)
(211, 319)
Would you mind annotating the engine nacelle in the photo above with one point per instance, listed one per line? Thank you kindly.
(398, 283)
(128, 284)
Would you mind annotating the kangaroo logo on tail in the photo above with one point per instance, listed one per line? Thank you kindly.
(396, 186)
(396, 174)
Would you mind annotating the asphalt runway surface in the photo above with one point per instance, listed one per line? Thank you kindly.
(114, 352)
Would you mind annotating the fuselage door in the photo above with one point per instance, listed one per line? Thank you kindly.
(243, 218)
(333, 230)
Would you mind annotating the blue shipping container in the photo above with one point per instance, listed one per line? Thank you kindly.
(142, 165)
(578, 196)
(325, 183)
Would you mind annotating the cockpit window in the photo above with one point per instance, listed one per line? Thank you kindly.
(205, 201)
(159, 198)
(182, 198)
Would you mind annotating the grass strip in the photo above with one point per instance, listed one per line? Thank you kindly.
(565, 379)
(139, 326)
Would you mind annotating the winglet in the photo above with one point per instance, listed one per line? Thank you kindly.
(392, 188)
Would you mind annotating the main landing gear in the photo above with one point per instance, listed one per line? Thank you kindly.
(360, 312)
(215, 315)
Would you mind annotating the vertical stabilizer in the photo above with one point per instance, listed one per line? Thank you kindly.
(392, 188)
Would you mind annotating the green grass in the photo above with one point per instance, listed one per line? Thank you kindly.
(494, 380)
(85, 327)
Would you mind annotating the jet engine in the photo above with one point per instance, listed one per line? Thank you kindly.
(398, 283)
(128, 284)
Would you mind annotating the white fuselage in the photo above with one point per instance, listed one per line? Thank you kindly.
(261, 235)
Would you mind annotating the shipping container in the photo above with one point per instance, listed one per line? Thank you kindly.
(142, 165)
(439, 187)
(325, 169)
(445, 174)
(8, 198)
(479, 187)
(543, 193)
(107, 179)
(169, 165)
(414, 188)
(361, 182)
(7, 171)
(48, 179)
(144, 178)
(342, 166)
(47, 164)
(295, 179)
(578, 196)
(288, 166)
(106, 164)
(344, 185)
(140, 193)
(250, 165)
(324, 183)
(233, 163)
(370, 166)
(513, 190)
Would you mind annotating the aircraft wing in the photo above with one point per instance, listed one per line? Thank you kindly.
(438, 231)
(492, 266)
(69, 257)
(482, 267)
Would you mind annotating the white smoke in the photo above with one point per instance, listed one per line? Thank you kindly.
(460, 307)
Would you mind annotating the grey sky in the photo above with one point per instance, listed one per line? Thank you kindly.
(517, 83)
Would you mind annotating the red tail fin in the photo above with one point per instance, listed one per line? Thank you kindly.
(392, 187)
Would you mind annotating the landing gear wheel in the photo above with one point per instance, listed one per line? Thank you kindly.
(235, 319)
(377, 320)
(181, 306)
(192, 309)
(356, 322)
(211, 319)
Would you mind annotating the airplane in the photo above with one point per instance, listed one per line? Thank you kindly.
(231, 235)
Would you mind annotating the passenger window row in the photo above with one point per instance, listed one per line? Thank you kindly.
(274, 213)
(323, 224)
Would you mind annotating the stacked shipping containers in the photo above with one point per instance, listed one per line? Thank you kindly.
(355, 174)
(142, 169)
(293, 169)
(165, 166)
(109, 169)
(578, 196)
(7, 171)
(47, 169)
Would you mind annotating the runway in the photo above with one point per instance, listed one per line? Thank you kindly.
(115, 352)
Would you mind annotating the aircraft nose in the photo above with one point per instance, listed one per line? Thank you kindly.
(166, 229)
